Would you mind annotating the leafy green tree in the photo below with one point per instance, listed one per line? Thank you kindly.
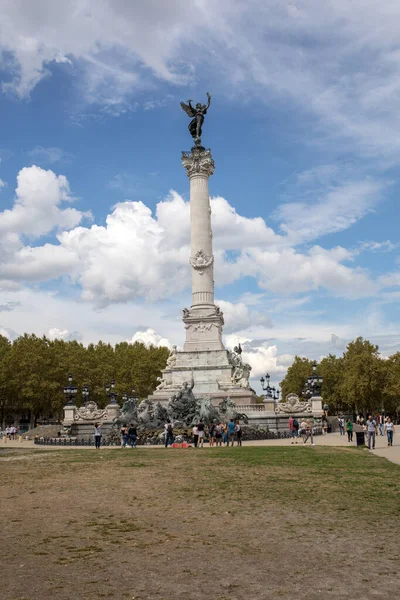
(363, 376)
(331, 370)
(391, 392)
(296, 376)
(5, 398)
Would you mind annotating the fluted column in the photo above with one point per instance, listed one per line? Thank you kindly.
(204, 320)
(199, 166)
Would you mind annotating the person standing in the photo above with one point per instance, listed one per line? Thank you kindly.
(238, 431)
(341, 425)
(371, 432)
(349, 429)
(201, 430)
(309, 433)
(124, 435)
(382, 424)
(225, 433)
(195, 432)
(291, 429)
(303, 426)
(169, 433)
(211, 434)
(389, 428)
(218, 434)
(97, 436)
(231, 432)
(132, 435)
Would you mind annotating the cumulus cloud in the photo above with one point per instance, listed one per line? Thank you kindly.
(63, 334)
(236, 316)
(138, 254)
(39, 208)
(150, 338)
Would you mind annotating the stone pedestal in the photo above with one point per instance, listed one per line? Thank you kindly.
(69, 414)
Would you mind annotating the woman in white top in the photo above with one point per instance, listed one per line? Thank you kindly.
(97, 435)
(389, 428)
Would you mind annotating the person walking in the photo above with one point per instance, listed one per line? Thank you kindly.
(169, 433)
(389, 429)
(291, 429)
(97, 436)
(349, 429)
(371, 432)
(201, 430)
(195, 432)
(309, 433)
(341, 425)
(381, 422)
(132, 435)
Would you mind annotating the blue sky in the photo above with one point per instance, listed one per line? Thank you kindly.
(303, 130)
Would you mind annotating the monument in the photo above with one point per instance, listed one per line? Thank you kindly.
(216, 372)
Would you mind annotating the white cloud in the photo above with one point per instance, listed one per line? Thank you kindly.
(335, 60)
(140, 255)
(63, 334)
(236, 316)
(38, 210)
(49, 155)
(150, 338)
(329, 199)
(2, 184)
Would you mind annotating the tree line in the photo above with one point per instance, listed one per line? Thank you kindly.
(34, 371)
(358, 382)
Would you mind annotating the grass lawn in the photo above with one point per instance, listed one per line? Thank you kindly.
(237, 523)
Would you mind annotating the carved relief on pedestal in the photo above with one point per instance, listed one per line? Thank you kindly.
(198, 162)
(293, 404)
(90, 412)
(201, 261)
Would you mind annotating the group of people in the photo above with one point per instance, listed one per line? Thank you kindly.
(218, 433)
(128, 435)
(10, 433)
(372, 425)
(301, 431)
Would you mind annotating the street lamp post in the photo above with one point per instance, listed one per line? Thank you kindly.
(85, 394)
(314, 383)
(270, 392)
(111, 393)
(70, 391)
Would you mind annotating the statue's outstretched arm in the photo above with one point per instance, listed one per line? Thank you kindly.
(209, 100)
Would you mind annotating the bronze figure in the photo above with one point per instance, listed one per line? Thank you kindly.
(197, 115)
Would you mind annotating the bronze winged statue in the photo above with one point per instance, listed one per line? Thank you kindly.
(197, 115)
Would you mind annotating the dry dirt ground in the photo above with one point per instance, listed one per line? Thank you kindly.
(237, 523)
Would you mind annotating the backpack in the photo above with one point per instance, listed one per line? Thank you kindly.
(295, 423)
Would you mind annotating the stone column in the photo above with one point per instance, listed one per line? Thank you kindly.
(204, 320)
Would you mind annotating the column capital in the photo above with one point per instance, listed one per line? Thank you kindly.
(198, 162)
